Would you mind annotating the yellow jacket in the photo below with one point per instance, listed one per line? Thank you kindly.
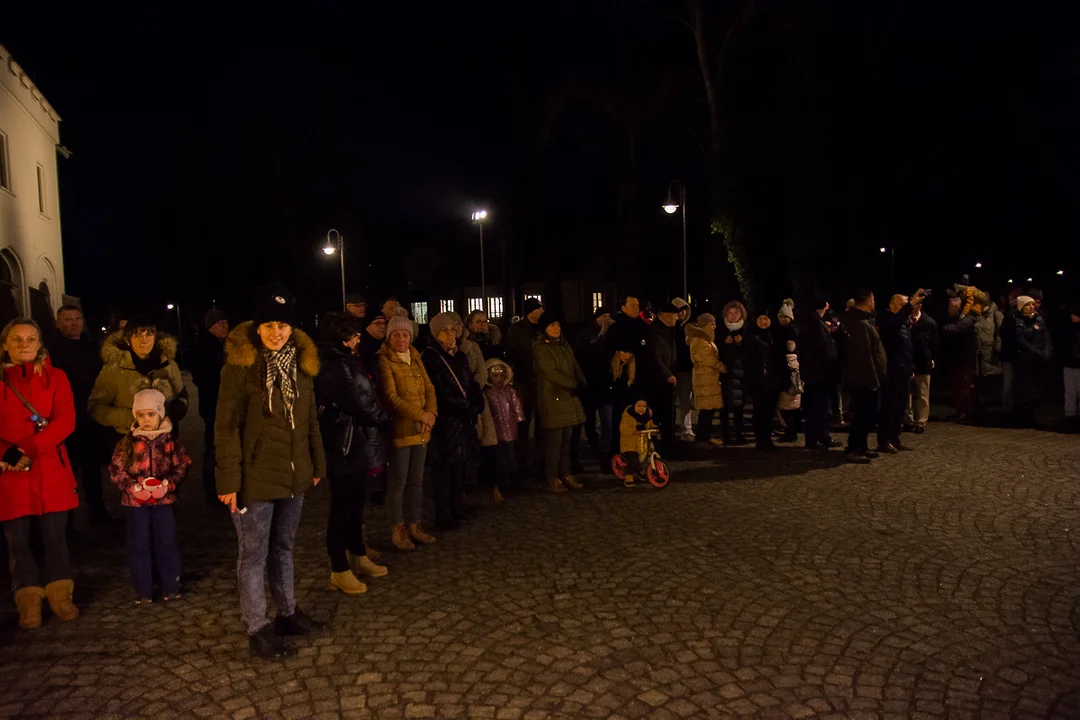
(407, 393)
(628, 431)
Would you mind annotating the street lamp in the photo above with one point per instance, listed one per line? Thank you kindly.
(978, 264)
(1061, 272)
(670, 207)
(179, 322)
(337, 246)
(479, 217)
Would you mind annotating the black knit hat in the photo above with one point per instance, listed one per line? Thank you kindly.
(600, 312)
(531, 304)
(274, 303)
(545, 320)
(667, 307)
(355, 299)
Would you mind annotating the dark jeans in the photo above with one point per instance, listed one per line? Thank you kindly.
(893, 407)
(84, 450)
(345, 528)
(498, 466)
(266, 535)
(815, 405)
(209, 479)
(764, 409)
(449, 492)
(151, 541)
(22, 567)
(557, 452)
(863, 411)
(725, 423)
(703, 432)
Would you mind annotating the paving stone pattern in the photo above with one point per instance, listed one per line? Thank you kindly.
(939, 583)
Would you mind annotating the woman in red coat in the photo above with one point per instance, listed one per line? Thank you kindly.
(37, 412)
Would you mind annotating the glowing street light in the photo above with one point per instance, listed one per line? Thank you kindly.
(337, 246)
(883, 249)
(1061, 272)
(1031, 279)
(670, 207)
(479, 217)
(978, 264)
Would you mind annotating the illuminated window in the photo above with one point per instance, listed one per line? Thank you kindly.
(535, 297)
(419, 312)
(495, 307)
(5, 176)
(476, 304)
(597, 301)
(446, 306)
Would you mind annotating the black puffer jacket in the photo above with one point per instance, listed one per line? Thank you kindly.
(454, 437)
(734, 355)
(594, 357)
(817, 349)
(344, 390)
(1033, 353)
(895, 329)
(924, 343)
(763, 374)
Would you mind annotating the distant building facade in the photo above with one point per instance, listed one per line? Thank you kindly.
(31, 255)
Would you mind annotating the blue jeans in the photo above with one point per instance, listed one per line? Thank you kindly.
(151, 540)
(267, 531)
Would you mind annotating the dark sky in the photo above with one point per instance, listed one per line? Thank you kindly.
(213, 149)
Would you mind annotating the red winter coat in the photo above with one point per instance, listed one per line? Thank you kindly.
(49, 485)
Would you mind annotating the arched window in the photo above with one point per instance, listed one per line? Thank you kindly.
(10, 287)
(41, 305)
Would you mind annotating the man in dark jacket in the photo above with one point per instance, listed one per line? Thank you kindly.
(519, 355)
(866, 367)
(594, 357)
(764, 381)
(817, 365)
(77, 355)
(1070, 358)
(206, 364)
(895, 329)
(961, 346)
(628, 329)
(371, 339)
(924, 343)
(662, 337)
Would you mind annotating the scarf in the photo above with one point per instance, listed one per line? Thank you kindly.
(150, 363)
(405, 357)
(164, 427)
(281, 371)
(734, 326)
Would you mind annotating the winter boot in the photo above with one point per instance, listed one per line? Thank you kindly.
(571, 482)
(59, 594)
(363, 565)
(417, 533)
(400, 538)
(372, 553)
(497, 497)
(557, 486)
(347, 583)
(28, 600)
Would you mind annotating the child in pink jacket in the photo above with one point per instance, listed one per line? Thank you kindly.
(500, 465)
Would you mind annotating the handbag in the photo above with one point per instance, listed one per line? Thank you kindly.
(341, 428)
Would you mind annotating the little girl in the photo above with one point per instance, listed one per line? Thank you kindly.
(635, 419)
(499, 458)
(147, 466)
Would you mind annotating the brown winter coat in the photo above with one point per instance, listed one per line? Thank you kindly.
(707, 367)
(407, 392)
(114, 391)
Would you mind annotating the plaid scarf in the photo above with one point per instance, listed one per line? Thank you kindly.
(281, 371)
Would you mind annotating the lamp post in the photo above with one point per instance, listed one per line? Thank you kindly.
(179, 322)
(670, 207)
(338, 247)
(478, 217)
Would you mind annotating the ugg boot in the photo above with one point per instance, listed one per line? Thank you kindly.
(59, 594)
(372, 553)
(497, 497)
(417, 533)
(28, 600)
(571, 482)
(362, 565)
(400, 538)
(557, 486)
(347, 583)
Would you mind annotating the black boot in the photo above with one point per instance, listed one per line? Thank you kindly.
(265, 644)
(297, 624)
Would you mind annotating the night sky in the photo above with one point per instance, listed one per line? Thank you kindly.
(212, 149)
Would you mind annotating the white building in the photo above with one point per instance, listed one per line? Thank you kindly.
(31, 258)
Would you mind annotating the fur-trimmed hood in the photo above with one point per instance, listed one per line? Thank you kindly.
(699, 332)
(115, 347)
(493, 362)
(239, 350)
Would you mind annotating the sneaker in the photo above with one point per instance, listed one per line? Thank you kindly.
(297, 624)
(857, 458)
(268, 646)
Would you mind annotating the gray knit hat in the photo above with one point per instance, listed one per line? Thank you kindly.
(442, 320)
(706, 319)
(787, 310)
(399, 322)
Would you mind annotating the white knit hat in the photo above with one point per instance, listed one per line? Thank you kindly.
(787, 309)
(1022, 301)
(149, 399)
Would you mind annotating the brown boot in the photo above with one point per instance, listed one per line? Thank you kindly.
(59, 594)
(372, 553)
(557, 486)
(347, 583)
(417, 533)
(28, 600)
(497, 497)
(400, 538)
(571, 482)
(363, 565)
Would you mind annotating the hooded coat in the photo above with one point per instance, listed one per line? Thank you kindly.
(114, 390)
(558, 381)
(345, 395)
(258, 454)
(988, 326)
(735, 352)
(407, 392)
(866, 364)
(1034, 352)
(49, 485)
(504, 409)
(817, 349)
(460, 399)
(707, 367)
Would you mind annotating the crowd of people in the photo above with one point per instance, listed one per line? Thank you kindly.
(371, 403)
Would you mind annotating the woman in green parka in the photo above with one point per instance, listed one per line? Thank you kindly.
(269, 453)
(559, 380)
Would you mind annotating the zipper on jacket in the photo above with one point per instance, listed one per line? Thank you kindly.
(60, 454)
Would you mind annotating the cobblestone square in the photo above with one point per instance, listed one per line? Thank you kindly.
(939, 583)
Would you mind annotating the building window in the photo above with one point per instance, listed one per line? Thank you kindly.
(538, 298)
(41, 189)
(476, 304)
(419, 312)
(495, 306)
(446, 306)
(597, 301)
(5, 171)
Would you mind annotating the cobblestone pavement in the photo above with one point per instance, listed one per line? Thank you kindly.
(937, 583)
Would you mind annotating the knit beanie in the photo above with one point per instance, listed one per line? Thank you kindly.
(706, 319)
(213, 316)
(355, 299)
(443, 320)
(274, 303)
(398, 322)
(545, 320)
(149, 399)
(531, 304)
(1022, 301)
(787, 310)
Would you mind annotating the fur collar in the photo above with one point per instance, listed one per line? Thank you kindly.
(115, 348)
(697, 332)
(239, 350)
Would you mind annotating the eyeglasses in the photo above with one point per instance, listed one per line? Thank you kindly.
(144, 334)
